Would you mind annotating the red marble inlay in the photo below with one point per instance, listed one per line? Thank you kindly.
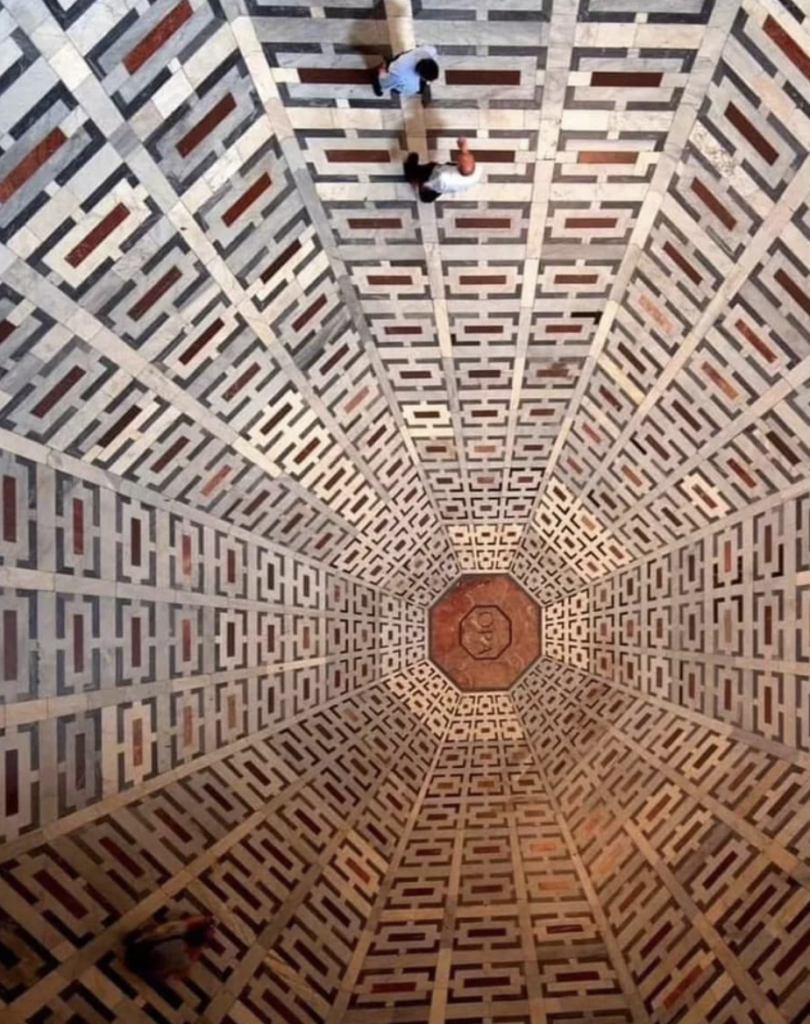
(153, 40)
(484, 632)
(204, 127)
(30, 164)
(94, 238)
(186, 554)
(137, 743)
(246, 200)
(188, 727)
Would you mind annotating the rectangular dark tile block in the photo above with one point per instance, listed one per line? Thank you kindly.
(171, 453)
(491, 223)
(799, 296)
(454, 76)
(358, 156)
(308, 314)
(9, 637)
(627, 79)
(591, 222)
(334, 76)
(9, 509)
(374, 223)
(199, 343)
(280, 260)
(489, 156)
(681, 261)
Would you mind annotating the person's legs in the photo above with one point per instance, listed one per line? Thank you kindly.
(416, 173)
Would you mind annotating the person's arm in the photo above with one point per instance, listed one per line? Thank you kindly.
(425, 93)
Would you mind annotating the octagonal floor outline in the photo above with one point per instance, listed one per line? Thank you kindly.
(466, 653)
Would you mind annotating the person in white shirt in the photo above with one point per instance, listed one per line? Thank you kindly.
(409, 73)
(432, 180)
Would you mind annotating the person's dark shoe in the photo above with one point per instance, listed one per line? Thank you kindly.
(375, 82)
(410, 167)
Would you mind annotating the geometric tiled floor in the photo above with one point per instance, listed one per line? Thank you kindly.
(260, 408)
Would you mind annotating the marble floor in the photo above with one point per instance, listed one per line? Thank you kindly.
(419, 589)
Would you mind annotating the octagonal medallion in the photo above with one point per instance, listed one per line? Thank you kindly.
(484, 632)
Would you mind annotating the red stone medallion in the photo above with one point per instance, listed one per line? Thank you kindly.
(484, 632)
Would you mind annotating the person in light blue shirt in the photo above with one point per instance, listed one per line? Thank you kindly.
(409, 73)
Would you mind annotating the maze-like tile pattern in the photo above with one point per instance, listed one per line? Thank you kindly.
(689, 839)
(716, 625)
(258, 409)
(161, 637)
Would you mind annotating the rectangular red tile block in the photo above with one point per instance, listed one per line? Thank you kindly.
(30, 164)
(788, 45)
(246, 200)
(711, 202)
(374, 223)
(199, 343)
(58, 392)
(188, 726)
(627, 79)
(94, 238)
(145, 303)
(751, 134)
(215, 116)
(280, 260)
(162, 32)
(308, 314)
(137, 742)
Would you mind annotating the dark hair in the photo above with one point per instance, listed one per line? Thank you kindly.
(428, 69)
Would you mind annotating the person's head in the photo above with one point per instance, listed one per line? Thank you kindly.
(466, 162)
(427, 69)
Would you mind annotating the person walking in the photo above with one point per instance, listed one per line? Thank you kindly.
(432, 180)
(409, 73)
